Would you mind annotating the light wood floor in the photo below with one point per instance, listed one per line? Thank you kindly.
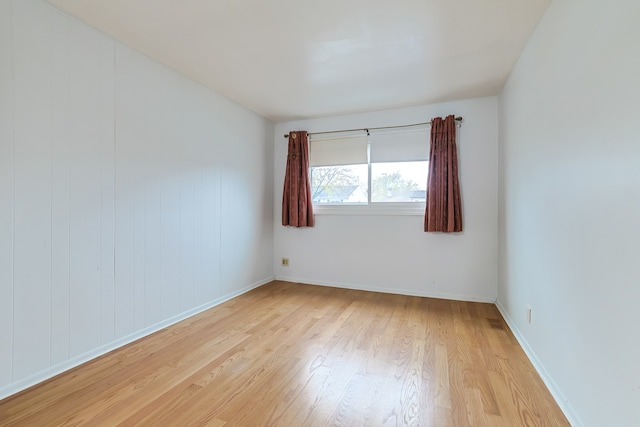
(298, 355)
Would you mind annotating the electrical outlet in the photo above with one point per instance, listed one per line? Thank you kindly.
(285, 262)
(529, 315)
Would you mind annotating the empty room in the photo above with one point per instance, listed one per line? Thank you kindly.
(339, 213)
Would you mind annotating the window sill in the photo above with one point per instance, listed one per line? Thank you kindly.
(381, 209)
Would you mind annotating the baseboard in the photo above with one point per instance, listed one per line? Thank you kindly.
(555, 391)
(51, 372)
(454, 297)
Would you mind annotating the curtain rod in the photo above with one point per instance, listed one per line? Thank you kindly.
(458, 119)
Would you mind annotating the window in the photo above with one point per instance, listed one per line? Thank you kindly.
(339, 169)
(339, 184)
(396, 182)
(385, 172)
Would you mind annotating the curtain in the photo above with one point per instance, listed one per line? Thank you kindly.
(444, 205)
(297, 208)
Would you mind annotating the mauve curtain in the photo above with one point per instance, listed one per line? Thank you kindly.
(444, 205)
(297, 208)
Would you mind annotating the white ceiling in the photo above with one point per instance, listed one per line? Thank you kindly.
(289, 59)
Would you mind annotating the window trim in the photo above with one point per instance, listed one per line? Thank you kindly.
(371, 208)
(376, 208)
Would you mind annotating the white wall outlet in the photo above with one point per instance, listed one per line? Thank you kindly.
(285, 262)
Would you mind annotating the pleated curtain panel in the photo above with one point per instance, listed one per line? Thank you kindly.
(444, 205)
(297, 207)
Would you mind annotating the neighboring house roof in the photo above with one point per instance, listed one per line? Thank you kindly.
(418, 195)
(336, 193)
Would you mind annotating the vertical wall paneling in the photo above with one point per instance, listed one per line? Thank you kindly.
(187, 204)
(210, 234)
(216, 288)
(140, 148)
(213, 241)
(170, 235)
(201, 279)
(32, 238)
(111, 209)
(152, 244)
(6, 192)
(198, 238)
(142, 151)
(128, 132)
(86, 104)
(199, 163)
(170, 155)
(227, 234)
(123, 241)
(107, 191)
(187, 271)
(60, 157)
(231, 212)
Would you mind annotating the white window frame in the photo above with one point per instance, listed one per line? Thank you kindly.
(371, 208)
(378, 208)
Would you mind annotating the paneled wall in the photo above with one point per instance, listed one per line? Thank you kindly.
(130, 196)
(6, 194)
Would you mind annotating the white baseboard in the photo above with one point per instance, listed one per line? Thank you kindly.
(555, 391)
(51, 372)
(439, 295)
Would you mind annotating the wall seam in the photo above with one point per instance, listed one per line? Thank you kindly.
(114, 145)
(13, 192)
(51, 101)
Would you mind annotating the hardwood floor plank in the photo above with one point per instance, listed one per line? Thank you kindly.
(475, 407)
(289, 354)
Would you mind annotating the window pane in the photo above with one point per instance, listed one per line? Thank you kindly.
(339, 184)
(399, 181)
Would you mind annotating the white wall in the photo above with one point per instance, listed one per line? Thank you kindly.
(570, 207)
(130, 197)
(392, 253)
